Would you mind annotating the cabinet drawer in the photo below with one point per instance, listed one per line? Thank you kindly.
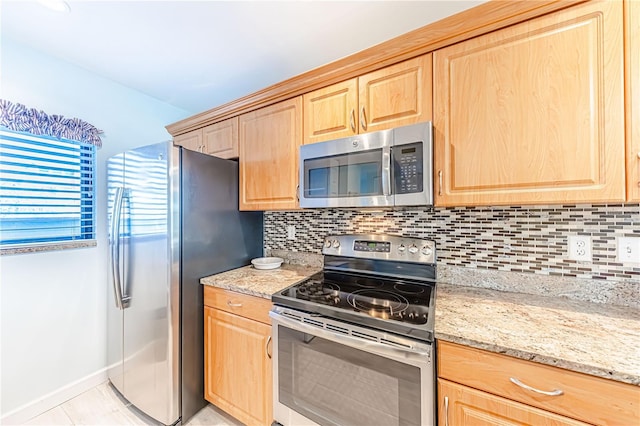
(587, 398)
(461, 405)
(253, 307)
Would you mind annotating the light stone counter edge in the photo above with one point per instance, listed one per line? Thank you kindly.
(260, 283)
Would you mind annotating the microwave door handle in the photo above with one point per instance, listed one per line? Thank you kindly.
(386, 171)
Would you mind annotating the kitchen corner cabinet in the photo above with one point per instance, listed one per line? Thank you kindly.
(191, 140)
(269, 142)
(237, 345)
(533, 113)
(394, 96)
(476, 387)
(632, 56)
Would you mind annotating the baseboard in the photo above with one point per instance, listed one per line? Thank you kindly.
(36, 407)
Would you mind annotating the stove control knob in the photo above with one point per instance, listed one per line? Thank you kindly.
(401, 248)
(336, 243)
(413, 249)
(327, 243)
(426, 251)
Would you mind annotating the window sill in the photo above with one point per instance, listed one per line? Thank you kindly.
(38, 248)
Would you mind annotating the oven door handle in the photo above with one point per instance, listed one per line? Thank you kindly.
(414, 354)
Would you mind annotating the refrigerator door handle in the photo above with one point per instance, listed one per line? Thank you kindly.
(121, 302)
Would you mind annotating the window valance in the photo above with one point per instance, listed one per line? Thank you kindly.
(20, 118)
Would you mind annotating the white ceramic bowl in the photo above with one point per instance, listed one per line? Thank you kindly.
(267, 262)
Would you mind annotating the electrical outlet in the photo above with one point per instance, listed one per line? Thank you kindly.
(628, 250)
(580, 248)
(291, 232)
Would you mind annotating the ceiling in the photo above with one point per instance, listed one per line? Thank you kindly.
(196, 55)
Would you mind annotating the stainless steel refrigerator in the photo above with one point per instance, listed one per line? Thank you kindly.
(173, 218)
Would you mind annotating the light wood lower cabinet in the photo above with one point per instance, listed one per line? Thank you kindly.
(237, 356)
(479, 389)
(533, 113)
(462, 405)
(269, 141)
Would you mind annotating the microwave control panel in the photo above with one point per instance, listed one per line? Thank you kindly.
(408, 168)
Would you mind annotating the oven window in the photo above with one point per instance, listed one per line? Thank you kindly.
(334, 384)
(346, 175)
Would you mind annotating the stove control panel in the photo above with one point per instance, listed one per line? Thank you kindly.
(381, 246)
(372, 246)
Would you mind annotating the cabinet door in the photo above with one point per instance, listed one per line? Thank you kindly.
(221, 139)
(397, 95)
(331, 112)
(269, 141)
(461, 405)
(191, 140)
(632, 21)
(533, 113)
(238, 367)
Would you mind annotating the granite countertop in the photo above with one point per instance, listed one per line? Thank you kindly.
(260, 282)
(592, 338)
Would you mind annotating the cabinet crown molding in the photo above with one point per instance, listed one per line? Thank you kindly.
(484, 18)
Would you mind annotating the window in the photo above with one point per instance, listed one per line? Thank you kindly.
(47, 188)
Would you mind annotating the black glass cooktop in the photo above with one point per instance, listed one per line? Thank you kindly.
(398, 305)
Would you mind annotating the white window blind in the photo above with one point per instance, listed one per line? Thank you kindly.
(47, 189)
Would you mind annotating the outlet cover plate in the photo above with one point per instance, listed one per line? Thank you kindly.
(580, 248)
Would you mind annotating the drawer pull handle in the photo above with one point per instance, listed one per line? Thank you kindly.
(556, 392)
(233, 305)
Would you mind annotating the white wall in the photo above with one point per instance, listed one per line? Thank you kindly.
(53, 304)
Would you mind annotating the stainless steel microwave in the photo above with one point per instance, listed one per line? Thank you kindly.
(380, 169)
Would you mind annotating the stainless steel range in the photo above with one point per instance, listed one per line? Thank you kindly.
(353, 344)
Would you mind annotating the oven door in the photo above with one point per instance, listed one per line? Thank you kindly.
(328, 372)
(349, 172)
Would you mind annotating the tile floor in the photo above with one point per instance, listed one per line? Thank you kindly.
(102, 405)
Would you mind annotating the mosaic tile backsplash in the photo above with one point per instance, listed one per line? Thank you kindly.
(528, 239)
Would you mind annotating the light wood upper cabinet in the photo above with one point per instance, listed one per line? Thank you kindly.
(394, 96)
(533, 113)
(330, 112)
(218, 139)
(269, 142)
(191, 140)
(238, 367)
(632, 60)
(397, 95)
(572, 395)
(221, 139)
